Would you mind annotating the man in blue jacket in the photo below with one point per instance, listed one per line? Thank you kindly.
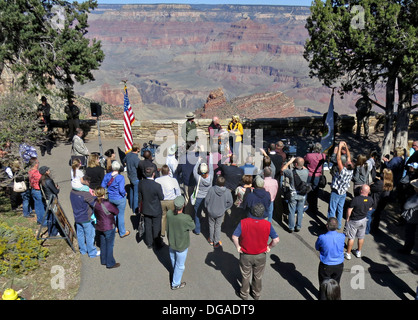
(258, 195)
(331, 254)
(82, 203)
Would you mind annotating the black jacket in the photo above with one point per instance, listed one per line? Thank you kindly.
(150, 193)
(49, 188)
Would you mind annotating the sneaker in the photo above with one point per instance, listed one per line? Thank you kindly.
(218, 244)
(357, 253)
(210, 242)
(347, 255)
(97, 254)
(127, 233)
(181, 285)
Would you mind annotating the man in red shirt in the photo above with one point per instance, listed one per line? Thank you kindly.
(251, 238)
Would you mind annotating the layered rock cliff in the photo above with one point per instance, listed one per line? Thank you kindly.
(175, 55)
(260, 105)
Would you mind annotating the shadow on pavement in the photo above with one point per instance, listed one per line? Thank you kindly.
(383, 276)
(227, 263)
(287, 271)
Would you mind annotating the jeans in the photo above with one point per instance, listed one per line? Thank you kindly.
(39, 205)
(313, 195)
(336, 206)
(178, 260)
(120, 218)
(296, 206)
(270, 212)
(133, 196)
(85, 237)
(26, 203)
(107, 241)
(369, 220)
(198, 207)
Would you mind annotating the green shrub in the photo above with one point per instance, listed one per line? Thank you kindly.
(20, 251)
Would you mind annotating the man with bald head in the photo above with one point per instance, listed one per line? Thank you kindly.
(357, 220)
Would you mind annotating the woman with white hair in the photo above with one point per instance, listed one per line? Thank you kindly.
(114, 182)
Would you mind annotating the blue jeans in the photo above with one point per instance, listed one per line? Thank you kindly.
(107, 241)
(133, 196)
(313, 195)
(120, 218)
(336, 206)
(39, 205)
(270, 212)
(178, 260)
(26, 203)
(296, 206)
(85, 237)
(198, 207)
(369, 220)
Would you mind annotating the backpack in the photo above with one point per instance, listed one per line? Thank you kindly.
(301, 187)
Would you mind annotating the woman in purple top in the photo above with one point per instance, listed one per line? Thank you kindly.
(105, 213)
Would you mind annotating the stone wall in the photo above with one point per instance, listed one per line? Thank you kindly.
(147, 129)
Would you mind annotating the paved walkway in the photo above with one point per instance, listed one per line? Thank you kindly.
(290, 274)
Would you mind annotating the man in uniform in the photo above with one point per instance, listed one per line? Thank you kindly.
(364, 107)
(73, 113)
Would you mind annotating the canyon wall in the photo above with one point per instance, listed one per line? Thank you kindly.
(176, 55)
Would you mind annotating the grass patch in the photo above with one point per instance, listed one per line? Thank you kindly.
(45, 282)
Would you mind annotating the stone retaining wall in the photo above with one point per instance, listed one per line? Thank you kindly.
(144, 130)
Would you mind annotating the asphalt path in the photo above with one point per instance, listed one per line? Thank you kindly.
(213, 274)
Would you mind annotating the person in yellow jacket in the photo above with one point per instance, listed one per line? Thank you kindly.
(236, 132)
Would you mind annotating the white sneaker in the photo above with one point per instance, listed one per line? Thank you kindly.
(347, 255)
(357, 253)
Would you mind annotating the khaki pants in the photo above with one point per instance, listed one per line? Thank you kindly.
(165, 205)
(254, 265)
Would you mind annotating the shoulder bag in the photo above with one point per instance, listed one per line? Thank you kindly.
(194, 194)
(19, 187)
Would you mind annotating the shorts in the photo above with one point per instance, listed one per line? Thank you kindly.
(355, 228)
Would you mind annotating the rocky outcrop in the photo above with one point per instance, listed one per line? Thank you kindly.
(261, 105)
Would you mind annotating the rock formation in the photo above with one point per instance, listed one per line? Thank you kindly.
(260, 105)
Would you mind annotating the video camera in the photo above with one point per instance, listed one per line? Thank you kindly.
(150, 146)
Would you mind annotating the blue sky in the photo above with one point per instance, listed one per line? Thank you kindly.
(259, 2)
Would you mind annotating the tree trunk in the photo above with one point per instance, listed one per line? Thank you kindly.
(404, 109)
(390, 102)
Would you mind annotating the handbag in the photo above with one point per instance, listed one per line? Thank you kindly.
(19, 187)
(194, 194)
(141, 225)
(322, 181)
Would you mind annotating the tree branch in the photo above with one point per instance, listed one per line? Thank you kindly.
(376, 103)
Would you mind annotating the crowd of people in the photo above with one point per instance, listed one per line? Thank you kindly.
(198, 189)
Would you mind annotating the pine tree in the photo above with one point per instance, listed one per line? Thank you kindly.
(44, 43)
(364, 43)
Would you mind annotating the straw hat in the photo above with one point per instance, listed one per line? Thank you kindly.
(190, 115)
(172, 150)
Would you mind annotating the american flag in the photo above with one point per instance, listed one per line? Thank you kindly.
(128, 119)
